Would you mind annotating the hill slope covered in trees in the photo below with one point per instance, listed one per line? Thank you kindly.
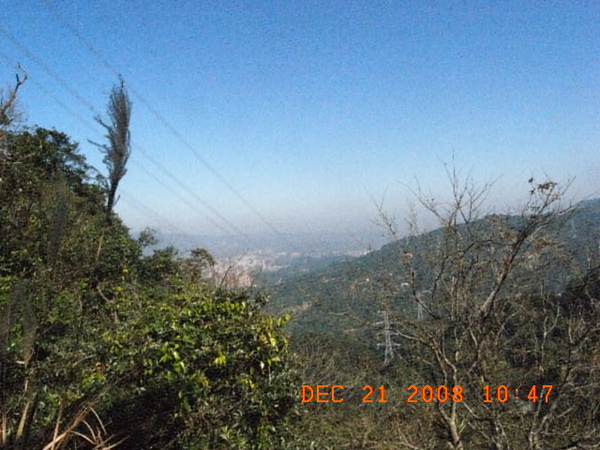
(343, 294)
(483, 333)
(103, 347)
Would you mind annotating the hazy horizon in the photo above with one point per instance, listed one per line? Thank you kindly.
(295, 116)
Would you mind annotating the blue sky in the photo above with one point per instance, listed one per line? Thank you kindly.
(309, 110)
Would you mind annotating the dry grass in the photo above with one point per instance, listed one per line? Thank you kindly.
(86, 425)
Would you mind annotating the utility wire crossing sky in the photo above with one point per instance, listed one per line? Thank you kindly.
(296, 116)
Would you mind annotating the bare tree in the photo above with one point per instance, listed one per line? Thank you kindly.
(118, 149)
(488, 321)
(8, 112)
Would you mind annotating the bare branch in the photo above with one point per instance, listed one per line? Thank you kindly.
(7, 107)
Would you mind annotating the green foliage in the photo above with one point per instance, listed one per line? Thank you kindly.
(44, 190)
(97, 340)
(346, 295)
(160, 266)
(223, 367)
(147, 238)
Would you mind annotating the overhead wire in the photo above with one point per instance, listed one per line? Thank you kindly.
(144, 153)
(22, 47)
(147, 211)
(129, 199)
(66, 24)
(136, 204)
(192, 194)
(46, 92)
(188, 203)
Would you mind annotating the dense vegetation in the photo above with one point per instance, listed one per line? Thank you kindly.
(101, 346)
(346, 294)
(507, 303)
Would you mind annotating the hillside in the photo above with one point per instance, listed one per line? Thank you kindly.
(349, 294)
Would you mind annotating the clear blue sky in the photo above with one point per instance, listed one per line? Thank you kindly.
(310, 109)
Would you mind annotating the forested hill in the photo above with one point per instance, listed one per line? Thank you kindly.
(350, 293)
(104, 345)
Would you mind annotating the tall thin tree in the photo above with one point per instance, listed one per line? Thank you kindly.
(118, 149)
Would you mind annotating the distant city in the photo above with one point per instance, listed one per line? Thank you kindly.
(270, 252)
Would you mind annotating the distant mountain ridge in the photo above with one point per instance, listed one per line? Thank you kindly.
(345, 294)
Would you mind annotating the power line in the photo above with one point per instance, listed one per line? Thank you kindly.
(59, 102)
(191, 193)
(150, 174)
(47, 69)
(145, 154)
(134, 203)
(146, 210)
(141, 166)
(66, 24)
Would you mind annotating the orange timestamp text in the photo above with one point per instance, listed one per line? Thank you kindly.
(324, 393)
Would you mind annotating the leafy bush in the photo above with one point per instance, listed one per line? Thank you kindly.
(215, 369)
